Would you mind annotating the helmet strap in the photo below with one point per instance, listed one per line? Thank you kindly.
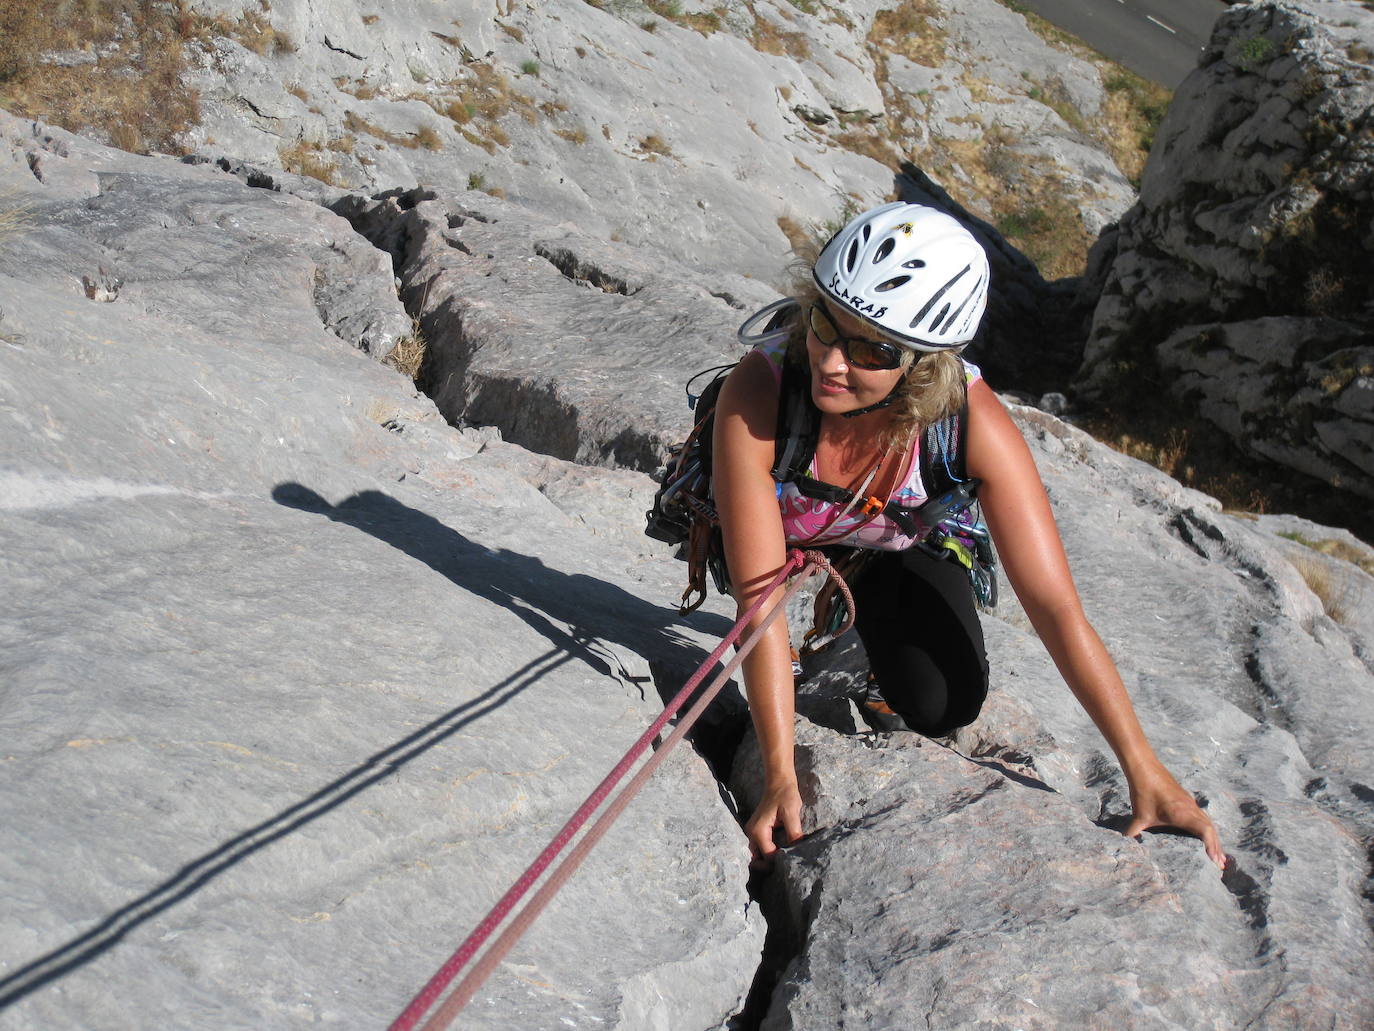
(891, 396)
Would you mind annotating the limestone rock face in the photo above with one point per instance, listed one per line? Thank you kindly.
(981, 882)
(709, 134)
(298, 677)
(1240, 279)
(574, 347)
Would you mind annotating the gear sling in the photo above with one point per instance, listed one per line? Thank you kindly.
(684, 512)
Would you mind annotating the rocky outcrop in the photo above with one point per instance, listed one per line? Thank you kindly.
(299, 676)
(1240, 279)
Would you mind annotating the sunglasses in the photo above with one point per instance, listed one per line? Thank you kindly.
(860, 352)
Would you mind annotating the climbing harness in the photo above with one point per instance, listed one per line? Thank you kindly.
(807, 563)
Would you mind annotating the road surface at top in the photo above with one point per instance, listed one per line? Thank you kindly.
(1157, 39)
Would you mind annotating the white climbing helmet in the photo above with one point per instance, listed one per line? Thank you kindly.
(912, 272)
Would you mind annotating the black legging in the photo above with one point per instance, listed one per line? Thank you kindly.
(916, 617)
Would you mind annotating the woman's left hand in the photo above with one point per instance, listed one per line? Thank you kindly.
(1157, 800)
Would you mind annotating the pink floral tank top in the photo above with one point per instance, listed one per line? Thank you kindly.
(809, 521)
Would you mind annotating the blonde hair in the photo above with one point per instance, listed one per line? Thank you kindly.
(932, 387)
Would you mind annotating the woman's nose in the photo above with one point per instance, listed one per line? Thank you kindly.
(833, 359)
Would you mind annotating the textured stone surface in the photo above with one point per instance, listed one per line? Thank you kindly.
(689, 141)
(1239, 280)
(983, 886)
(297, 677)
(574, 347)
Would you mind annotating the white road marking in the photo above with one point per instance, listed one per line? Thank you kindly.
(1166, 28)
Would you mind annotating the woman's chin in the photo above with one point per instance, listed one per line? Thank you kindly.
(835, 403)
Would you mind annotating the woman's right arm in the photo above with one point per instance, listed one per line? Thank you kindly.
(746, 497)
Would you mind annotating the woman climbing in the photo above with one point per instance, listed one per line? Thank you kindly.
(892, 300)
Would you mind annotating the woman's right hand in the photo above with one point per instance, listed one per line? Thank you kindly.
(779, 809)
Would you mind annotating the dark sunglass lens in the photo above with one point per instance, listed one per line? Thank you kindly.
(820, 325)
(871, 354)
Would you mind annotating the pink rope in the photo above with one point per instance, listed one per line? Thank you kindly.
(436, 985)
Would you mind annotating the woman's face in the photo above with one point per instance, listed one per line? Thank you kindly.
(836, 385)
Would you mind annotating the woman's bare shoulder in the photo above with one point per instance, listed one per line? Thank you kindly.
(751, 390)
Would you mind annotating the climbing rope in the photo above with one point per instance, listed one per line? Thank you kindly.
(809, 563)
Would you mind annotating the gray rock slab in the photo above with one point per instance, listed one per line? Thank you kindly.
(574, 347)
(966, 883)
(298, 677)
(628, 122)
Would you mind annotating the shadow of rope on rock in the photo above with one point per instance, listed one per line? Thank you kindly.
(201, 871)
(514, 581)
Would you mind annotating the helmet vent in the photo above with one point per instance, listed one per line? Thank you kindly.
(935, 299)
(892, 284)
(914, 263)
(884, 249)
(852, 257)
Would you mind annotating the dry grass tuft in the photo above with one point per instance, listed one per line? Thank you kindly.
(1363, 558)
(254, 31)
(655, 145)
(577, 135)
(429, 139)
(1133, 112)
(306, 158)
(1045, 225)
(871, 142)
(768, 38)
(797, 236)
(408, 356)
(1337, 596)
(426, 136)
(909, 30)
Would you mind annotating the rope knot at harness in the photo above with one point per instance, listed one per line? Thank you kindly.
(807, 563)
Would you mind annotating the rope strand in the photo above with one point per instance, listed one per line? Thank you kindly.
(468, 987)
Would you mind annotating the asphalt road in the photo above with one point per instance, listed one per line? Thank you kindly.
(1157, 39)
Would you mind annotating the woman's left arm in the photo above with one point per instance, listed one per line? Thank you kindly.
(1022, 525)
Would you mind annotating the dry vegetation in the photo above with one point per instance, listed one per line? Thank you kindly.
(797, 236)
(308, 158)
(1337, 595)
(1154, 428)
(476, 104)
(1336, 548)
(408, 356)
(770, 38)
(116, 66)
(908, 30)
(655, 146)
(426, 136)
(1133, 112)
(120, 73)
